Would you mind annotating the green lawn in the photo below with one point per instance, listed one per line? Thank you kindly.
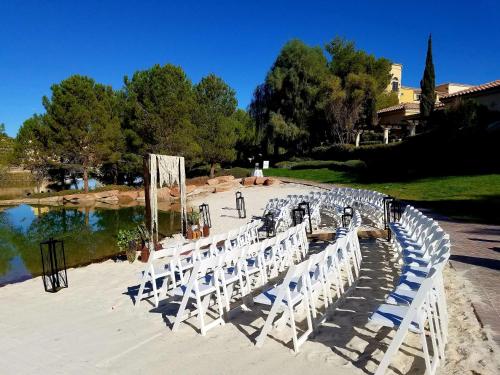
(471, 198)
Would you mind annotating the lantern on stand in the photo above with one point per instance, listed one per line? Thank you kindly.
(307, 208)
(53, 265)
(240, 205)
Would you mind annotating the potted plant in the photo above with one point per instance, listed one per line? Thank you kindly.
(128, 241)
(146, 238)
(193, 219)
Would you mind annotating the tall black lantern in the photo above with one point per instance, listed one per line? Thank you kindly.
(54, 276)
(387, 201)
(205, 215)
(347, 216)
(240, 205)
(307, 208)
(270, 224)
(298, 215)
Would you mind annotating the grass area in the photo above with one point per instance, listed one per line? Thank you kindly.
(471, 198)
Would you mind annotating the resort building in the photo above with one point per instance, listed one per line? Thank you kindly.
(487, 94)
(403, 118)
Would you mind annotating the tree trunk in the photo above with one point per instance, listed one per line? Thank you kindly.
(212, 170)
(85, 179)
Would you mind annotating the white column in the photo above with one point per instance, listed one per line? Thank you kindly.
(412, 130)
(386, 135)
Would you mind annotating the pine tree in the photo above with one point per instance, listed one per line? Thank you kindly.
(428, 84)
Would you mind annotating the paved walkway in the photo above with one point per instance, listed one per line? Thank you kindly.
(476, 254)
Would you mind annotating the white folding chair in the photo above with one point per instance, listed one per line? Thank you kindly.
(285, 298)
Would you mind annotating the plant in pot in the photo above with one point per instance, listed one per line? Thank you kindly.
(128, 241)
(193, 219)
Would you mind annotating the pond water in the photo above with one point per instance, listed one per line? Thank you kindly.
(89, 235)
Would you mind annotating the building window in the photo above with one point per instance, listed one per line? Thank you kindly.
(395, 85)
(417, 97)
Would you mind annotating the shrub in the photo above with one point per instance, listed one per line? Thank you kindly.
(237, 172)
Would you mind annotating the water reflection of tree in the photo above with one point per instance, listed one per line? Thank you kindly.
(88, 234)
(7, 248)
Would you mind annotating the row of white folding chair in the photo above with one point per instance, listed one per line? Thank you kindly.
(231, 271)
(303, 285)
(422, 312)
(174, 260)
(371, 202)
(431, 316)
(424, 249)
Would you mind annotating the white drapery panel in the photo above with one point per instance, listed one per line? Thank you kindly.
(166, 170)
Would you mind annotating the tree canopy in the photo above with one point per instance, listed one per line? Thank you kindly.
(216, 125)
(307, 99)
(32, 148)
(158, 113)
(84, 122)
(289, 97)
(428, 84)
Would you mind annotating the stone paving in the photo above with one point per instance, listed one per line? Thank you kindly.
(476, 255)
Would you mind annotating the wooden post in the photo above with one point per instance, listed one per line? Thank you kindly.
(146, 180)
(183, 218)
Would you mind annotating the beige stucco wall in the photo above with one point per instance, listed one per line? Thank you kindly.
(451, 88)
(396, 117)
(492, 101)
(407, 95)
(396, 72)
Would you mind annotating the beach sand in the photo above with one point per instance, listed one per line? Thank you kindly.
(93, 327)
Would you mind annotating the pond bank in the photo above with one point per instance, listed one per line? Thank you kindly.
(134, 197)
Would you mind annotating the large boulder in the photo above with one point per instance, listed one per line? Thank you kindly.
(129, 194)
(50, 200)
(106, 194)
(175, 192)
(260, 180)
(79, 197)
(163, 194)
(223, 179)
(108, 200)
(272, 181)
(212, 181)
(248, 181)
(224, 187)
(190, 188)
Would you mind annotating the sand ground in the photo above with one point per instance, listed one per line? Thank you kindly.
(93, 328)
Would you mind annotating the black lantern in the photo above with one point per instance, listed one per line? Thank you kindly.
(387, 201)
(240, 205)
(205, 215)
(347, 216)
(53, 265)
(270, 224)
(298, 215)
(307, 208)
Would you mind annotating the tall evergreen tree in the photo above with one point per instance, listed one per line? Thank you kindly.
(84, 123)
(428, 84)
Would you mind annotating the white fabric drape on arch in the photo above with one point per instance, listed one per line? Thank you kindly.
(166, 170)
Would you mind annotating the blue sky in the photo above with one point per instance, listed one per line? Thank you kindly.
(43, 42)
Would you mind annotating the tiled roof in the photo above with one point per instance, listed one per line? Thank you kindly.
(474, 89)
(398, 107)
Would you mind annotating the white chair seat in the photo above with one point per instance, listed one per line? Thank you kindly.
(410, 282)
(268, 297)
(392, 316)
(205, 287)
(401, 296)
